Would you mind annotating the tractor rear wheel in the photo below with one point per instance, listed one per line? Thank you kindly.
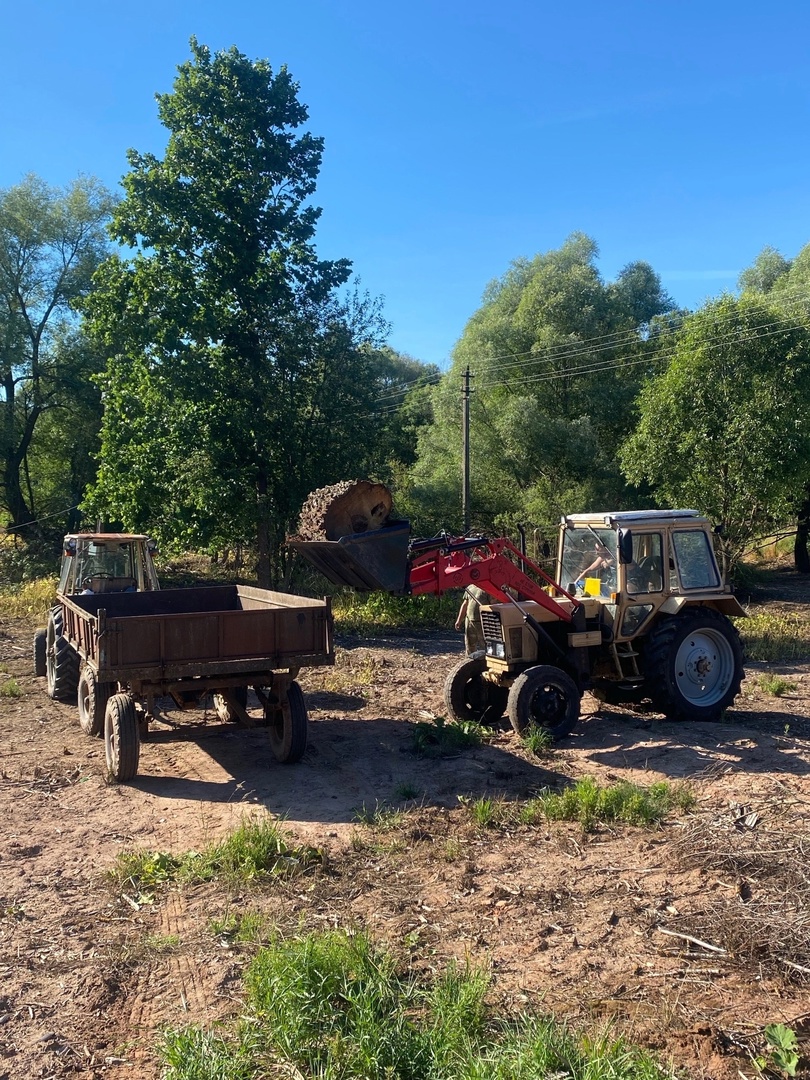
(287, 726)
(122, 746)
(61, 661)
(693, 665)
(544, 697)
(470, 697)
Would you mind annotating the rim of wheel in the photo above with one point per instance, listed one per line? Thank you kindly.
(548, 706)
(704, 667)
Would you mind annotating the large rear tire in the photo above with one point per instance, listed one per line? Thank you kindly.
(544, 697)
(61, 662)
(122, 746)
(693, 665)
(470, 697)
(93, 697)
(287, 726)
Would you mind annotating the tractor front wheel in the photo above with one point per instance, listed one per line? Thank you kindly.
(470, 697)
(544, 697)
(693, 665)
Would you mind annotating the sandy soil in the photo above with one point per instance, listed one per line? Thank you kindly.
(569, 922)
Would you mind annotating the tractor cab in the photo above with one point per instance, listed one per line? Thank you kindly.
(94, 563)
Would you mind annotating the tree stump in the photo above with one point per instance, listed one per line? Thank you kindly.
(352, 506)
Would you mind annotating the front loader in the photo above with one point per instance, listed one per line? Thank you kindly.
(638, 611)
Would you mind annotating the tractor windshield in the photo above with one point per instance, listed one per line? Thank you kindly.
(588, 560)
(104, 566)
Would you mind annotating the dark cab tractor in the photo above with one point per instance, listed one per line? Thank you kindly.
(92, 564)
(639, 611)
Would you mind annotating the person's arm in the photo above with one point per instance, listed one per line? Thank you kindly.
(462, 611)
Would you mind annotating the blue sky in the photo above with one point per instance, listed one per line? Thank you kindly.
(460, 136)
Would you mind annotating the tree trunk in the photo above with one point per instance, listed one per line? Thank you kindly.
(801, 558)
(263, 564)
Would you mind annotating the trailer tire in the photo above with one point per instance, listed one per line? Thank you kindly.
(544, 697)
(287, 726)
(93, 697)
(61, 661)
(223, 709)
(122, 745)
(693, 665)
(471, 698)
(41, 651)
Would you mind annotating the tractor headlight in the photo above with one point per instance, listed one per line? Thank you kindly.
(497, 649)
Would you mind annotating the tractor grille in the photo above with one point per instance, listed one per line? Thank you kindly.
(491, 623)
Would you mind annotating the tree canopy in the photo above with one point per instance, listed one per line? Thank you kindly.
(239, 377)
(725, 427)
(51, 241)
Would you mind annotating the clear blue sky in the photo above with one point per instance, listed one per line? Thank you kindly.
(462, 135)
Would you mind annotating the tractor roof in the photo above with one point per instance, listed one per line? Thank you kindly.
(612, 519)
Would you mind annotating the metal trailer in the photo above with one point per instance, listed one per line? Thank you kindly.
(133, 648)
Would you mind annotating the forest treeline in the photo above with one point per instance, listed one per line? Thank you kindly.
(178, 360)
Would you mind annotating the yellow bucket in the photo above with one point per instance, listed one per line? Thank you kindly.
(593, 586)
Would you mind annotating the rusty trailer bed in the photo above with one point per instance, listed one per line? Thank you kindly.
(222, 636)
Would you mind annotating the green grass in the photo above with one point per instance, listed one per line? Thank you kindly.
(775, 685)
(588, 803)
(10, 688)
(775, 636)
(335, 1006)
(356, 613)
(440, 737)
(255, 850)
(381, 817)
(537, 740)
(246, 927)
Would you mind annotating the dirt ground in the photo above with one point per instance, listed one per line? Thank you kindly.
(595, 927)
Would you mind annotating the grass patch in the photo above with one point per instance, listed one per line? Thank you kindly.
(537, 740)
(440, 737)
(382, 817)
(588, 803)
(775, 636)
(775, 685)
(357, 613)
(255, 850)
(30, 600)
(10, 688)
(335, 1006)
(244, 928)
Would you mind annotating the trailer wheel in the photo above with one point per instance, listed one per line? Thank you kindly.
(61, 662)
(469, 697)
(93, 697)
(41, 651)
(693, 665)
(546, 697)
(223, 710)
(122, 746)
(287, 726)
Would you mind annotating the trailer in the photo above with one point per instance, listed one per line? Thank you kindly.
(134, 648)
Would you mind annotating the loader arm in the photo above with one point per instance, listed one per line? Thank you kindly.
(453, 563)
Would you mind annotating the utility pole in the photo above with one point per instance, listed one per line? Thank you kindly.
(465, 450)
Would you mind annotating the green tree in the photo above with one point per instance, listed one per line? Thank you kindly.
(557, 356)
(239, 379)
(51, 242)
(726, 427)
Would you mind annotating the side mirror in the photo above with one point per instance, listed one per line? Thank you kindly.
(151, 547)
(625, 546)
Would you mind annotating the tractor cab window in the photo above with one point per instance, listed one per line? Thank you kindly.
(588, 561)
(104, 566)
(645, 574)
(695, 559)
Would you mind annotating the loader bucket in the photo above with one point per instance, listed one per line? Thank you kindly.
(364, 561)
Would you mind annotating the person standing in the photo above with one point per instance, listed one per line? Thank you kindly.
(469, 616)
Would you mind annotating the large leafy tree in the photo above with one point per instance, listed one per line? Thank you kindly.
(556, 356)
(51, 242)
(726, 427)
(239, 379)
